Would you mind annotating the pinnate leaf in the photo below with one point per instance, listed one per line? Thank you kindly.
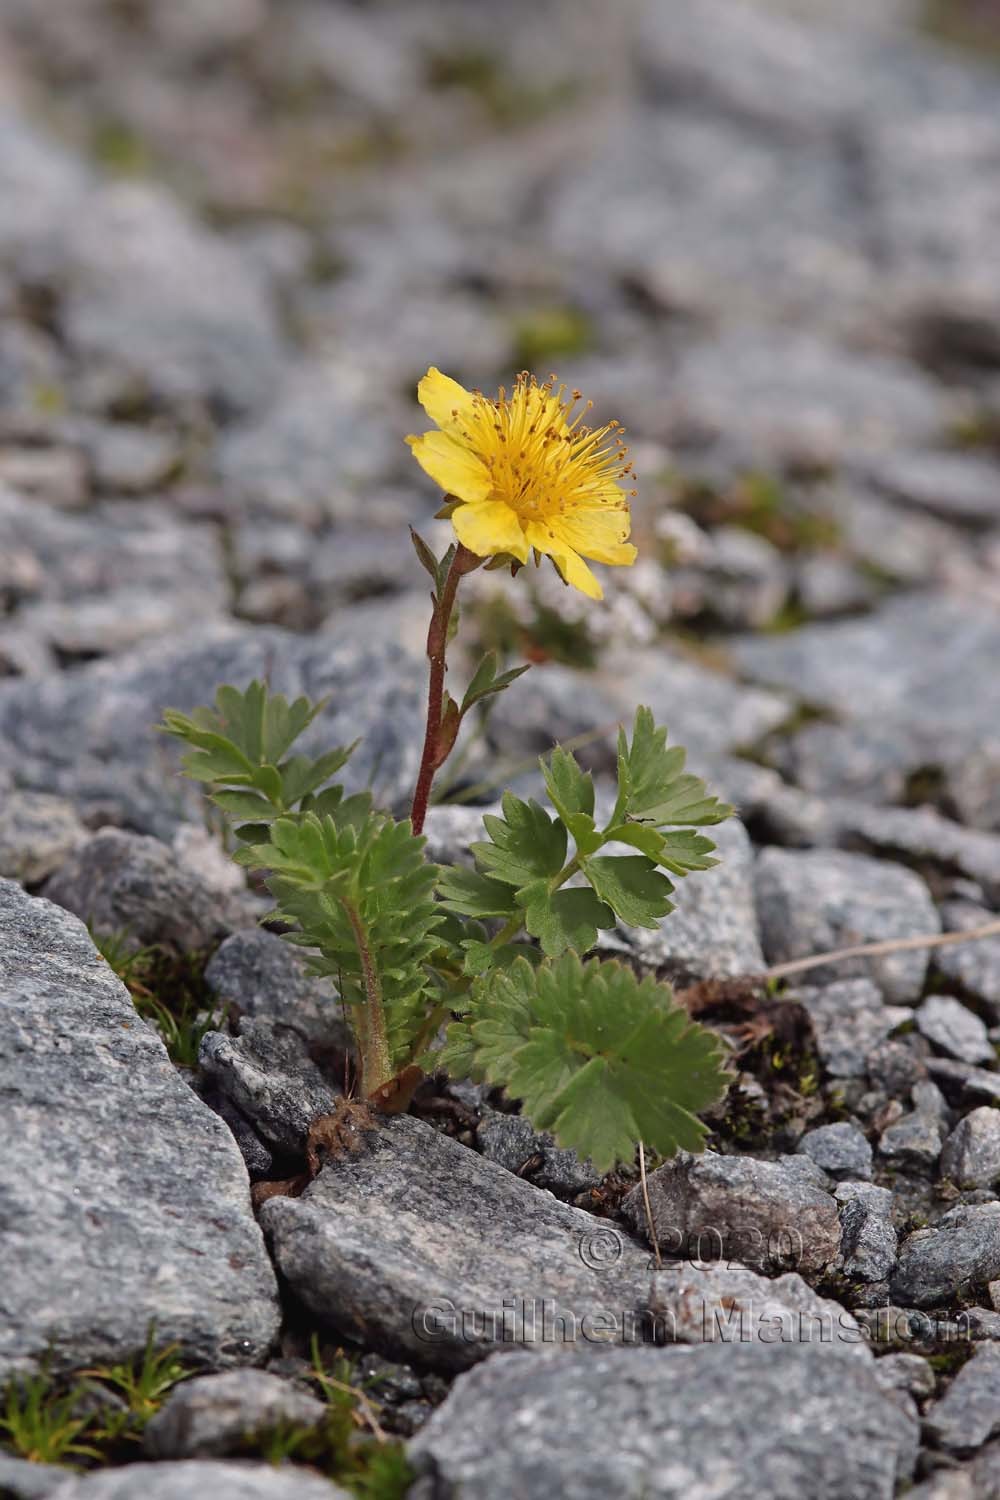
(632, 886)
(526, 844)
(598, 1057)
(565, 918)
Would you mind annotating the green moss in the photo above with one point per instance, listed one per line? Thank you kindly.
(120, 150)
(541, 635)
(39, 1422)
(167, 989)
(57, 1421)
(760, 503)
(348, 1446)
(506, 99)
(550, 333)
(48, 400)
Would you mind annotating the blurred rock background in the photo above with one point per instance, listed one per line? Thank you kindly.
(762, 232)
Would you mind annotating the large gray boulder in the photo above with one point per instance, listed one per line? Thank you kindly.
(420, 1244)
(669, 1424)
(125, 1202)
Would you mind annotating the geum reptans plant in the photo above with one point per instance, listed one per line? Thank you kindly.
(480, 971)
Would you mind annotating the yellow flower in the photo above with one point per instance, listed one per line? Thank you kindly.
(528, 475)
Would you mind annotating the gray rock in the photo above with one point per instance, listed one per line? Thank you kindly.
(124, 883)
(970, 1157)
(56, 475)
(840, 1150)
(421, 1244)
(764, 1214)
(98, 584)
(961, 1253)
(973, 1084)
(983, 1322)
(895, 667)
(223, 1481)
(916, 1138)
(266, 1071)
(156, 296)
(943, 289)
(971, 785)
(37, 833)
(23, 1480)
(959, 487)
(261, 977)
(64, 734)
(923, 837)
(909, 1373)
(258, 1158)
(705, 712)
(911, 548)
(849, 1020)
(955, 1029)
(742, 582)
(686, 1422)
(828, 585)
(791, 398)
(44, 188)
(451, 828)
(308, 457)
(868, 1243)
(126, 1200)
(813, 901)
(554, 703)
(712, 931)
(867, 761)
(130, 460)
(705, 166)
(973, 966)
(969, 1411)
(978, 1480)
(510, 1141)
(213, 1415)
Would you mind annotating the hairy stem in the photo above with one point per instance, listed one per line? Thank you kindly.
(373, 1042)
(437, 647)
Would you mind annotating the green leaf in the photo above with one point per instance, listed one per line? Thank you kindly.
(243, 804)
(526, 843)
(632, 886)
(684, 850)
(596, 1056)
(652, 785)
(478, 956)
(486, 680)
(333, 881)
(565, 918)
(570, 789)
(243, 742)
(469, 894)
(426, 557)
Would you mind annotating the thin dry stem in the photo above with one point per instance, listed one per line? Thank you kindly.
(878, 950)
(649, 1211)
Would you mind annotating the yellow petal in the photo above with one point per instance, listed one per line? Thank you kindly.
(451, 465)
(490, 527)
(441, 397)
(599, 534)
(570, 564)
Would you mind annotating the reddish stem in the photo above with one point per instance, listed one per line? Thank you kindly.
(464, 561)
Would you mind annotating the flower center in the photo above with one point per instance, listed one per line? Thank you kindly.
(542, 458)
